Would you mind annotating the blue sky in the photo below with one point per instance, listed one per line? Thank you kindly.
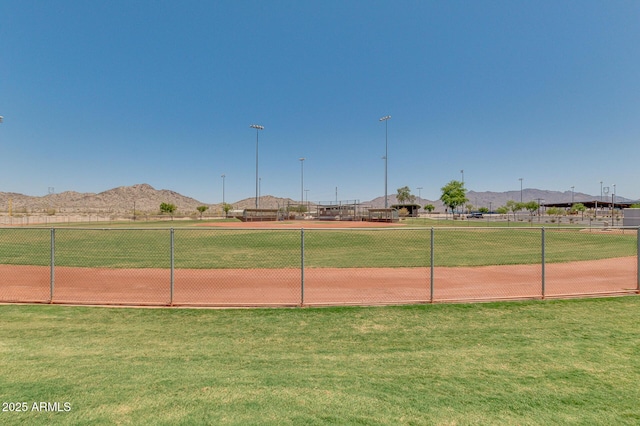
(97, 95)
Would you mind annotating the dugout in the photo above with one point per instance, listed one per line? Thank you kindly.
(339, 211)
(259, 215)
(412, 209)
(382, 215)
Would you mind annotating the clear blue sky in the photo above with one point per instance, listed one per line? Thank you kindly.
(97, 95)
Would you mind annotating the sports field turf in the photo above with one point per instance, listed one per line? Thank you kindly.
(235, 248)
(552, 362)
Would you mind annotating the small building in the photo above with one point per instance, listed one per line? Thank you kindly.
(382, 215)
(259, 215)
(343, 210)
(412, 209)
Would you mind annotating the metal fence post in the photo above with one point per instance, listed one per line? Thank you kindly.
(52, 273)
(432, 267)
(172, 267)
(301, 266)
(543, 244)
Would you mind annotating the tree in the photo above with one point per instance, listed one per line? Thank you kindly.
(555, 211)
(502, 210)
(226, 207)
(514, 207)
(202, 209)
(578, 207)
(483, 210)
(454, 194)
(429, 207)
(531, 206)
(403, 212)
(404, 195)
(168, 208)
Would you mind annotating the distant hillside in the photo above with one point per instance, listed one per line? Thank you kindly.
(123, 199)
(144, 197)
(497, 199)
(147, 199)
(266, 202)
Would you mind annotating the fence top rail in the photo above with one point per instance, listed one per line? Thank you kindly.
(299, 228)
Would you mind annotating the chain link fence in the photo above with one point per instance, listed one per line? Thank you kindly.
(296, 267)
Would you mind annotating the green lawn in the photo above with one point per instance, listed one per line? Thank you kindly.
(526, 363)
(235, 248)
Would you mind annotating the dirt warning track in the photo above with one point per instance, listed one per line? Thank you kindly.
(318, 286)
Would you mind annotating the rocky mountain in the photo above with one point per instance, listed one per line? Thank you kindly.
(142, 197)
(266, 202)
(146, 199)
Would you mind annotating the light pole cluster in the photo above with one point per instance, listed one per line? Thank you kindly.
(258, 127)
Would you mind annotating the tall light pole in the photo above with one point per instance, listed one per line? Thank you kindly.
(462, 173)
(520, 179)
(572, 188)
(223, 203)
(613, 202)
(386, 155)
(301, 180)
(258, 128)
(600, 191)
(223, 176)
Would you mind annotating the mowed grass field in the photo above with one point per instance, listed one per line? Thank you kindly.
(200, 247)
(525, 363)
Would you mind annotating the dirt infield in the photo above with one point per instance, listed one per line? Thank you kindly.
(298, 224)
(334, 286)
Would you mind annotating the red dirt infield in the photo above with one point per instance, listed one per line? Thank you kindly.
(322, 286)
(298, 224)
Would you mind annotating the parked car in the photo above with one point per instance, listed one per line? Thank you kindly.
(476, 215)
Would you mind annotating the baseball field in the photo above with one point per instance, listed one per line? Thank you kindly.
(281, 263)
(526, 363)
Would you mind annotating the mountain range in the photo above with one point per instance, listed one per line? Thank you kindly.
(144, 198)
